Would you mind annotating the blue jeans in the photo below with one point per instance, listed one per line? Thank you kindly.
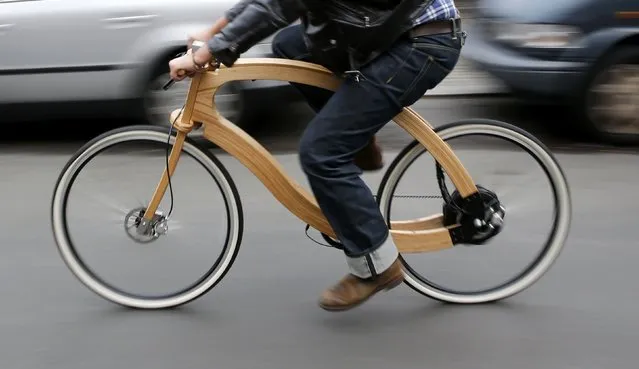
(345, 122)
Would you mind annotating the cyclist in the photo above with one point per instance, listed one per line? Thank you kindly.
(340, 140)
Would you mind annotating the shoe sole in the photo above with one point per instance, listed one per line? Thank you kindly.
(387, 287)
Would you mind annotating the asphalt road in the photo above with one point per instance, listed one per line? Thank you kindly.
(582, 314)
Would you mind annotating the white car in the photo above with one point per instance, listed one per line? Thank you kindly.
(61, 51)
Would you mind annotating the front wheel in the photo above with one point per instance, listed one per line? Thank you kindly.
(468, 274)
(96, 212)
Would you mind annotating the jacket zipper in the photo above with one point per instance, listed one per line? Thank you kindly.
(352, 13)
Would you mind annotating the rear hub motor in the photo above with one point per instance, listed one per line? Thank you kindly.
(480, 216)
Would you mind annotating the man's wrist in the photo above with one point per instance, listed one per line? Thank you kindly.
(202, 56)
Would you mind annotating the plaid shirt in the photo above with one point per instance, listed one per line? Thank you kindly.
(438, 10)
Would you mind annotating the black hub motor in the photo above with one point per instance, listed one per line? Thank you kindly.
(480, 216)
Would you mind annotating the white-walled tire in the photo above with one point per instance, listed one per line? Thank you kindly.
(76, 265)
(562, 200)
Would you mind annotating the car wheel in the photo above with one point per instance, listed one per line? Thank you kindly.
(158, 103)
(610, 107)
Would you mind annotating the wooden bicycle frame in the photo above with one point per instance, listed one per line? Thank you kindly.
(411, 236)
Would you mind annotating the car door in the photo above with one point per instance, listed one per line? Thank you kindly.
(15, 32)
(58, 50)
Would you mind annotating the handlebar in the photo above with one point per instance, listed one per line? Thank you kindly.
(194, 47)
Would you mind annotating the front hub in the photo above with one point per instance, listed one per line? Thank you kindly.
(142, 231)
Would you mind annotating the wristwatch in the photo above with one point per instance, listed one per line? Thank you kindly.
(195, 47)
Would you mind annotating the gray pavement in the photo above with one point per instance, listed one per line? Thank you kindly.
(582, 314)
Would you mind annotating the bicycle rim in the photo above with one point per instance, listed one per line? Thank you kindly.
(84, 273)
(554, 243)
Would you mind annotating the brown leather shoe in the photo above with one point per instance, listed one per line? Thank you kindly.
(351, 291)
(370, 157)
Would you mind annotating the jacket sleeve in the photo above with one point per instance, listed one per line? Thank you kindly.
(237, 9)
(257, 20)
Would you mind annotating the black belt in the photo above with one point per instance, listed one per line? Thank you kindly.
(452, 26)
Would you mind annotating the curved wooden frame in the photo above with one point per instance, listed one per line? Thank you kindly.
(412, 236)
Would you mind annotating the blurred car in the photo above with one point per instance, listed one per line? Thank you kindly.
(581, 53)
(114, 51)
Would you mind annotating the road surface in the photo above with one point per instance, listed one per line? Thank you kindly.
(582, 314)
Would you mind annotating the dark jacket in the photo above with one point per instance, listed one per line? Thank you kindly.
(342, 34)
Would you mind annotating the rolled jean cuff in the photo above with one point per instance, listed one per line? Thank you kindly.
(375, 262)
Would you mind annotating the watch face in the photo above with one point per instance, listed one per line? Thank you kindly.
(197, 44)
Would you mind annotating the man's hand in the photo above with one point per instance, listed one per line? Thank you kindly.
(181, 67)
(184, 66)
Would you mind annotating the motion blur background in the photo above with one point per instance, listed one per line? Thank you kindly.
(565, 70)
(109, 60)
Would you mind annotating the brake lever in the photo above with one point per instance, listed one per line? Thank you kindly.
(194, 47)
(168, 84)
(171, 81)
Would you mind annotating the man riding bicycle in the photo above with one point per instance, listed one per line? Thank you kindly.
(415, 53)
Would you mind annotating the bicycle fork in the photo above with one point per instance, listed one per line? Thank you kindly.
(146, 223)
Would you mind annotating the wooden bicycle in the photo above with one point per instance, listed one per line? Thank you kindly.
(471, 214)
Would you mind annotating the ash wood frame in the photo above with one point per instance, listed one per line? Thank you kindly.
(411, 236)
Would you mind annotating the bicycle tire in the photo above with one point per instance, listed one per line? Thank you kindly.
(83, 273)
(551, 167)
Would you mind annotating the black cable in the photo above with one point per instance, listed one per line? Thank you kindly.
(168, 142)
(168, 172)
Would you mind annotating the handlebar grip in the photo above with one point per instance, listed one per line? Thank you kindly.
(168, 84)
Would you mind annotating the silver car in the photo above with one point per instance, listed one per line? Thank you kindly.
(54, 51)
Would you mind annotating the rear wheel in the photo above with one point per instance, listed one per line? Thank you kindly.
(468, 275)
